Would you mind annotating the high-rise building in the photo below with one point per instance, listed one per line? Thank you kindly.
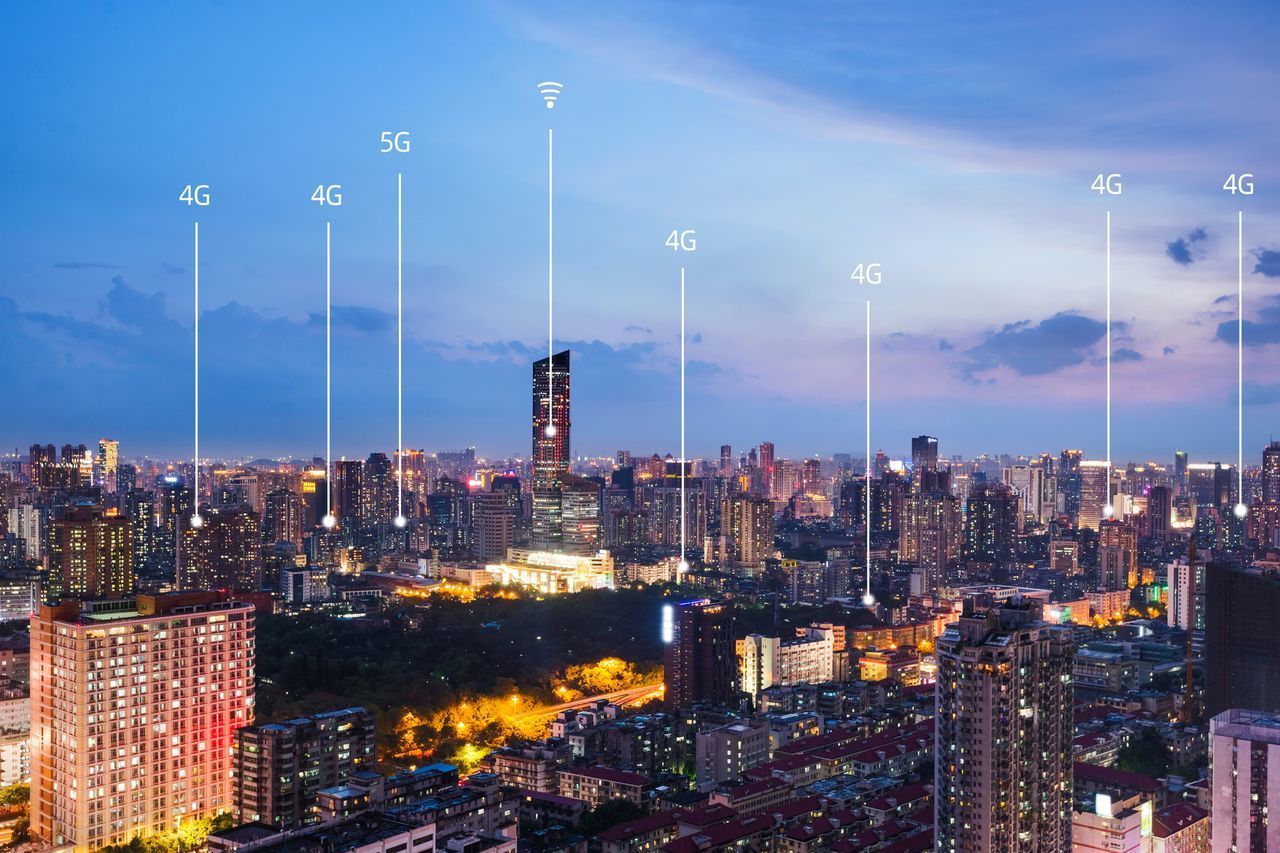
(1160, 512)
(930, 535)
(924, 453)
(134, 708)
(27, 522)
(766, 466)
(1271, 473)
(225, 553)
(1095, 493)
(701, 656)
(348, 475)
(282, 513)
(1242, 646)
(550, 449)
(1069, 482)
(494, 519)
(767, 661)
(726, 460)
(108, 463)
(1003, 750)
(991, 524)
(748, 525)
(90, 555)
(280, 767)
(580, 516)
(1028, 482)
(1117, 554)
(1244, 752)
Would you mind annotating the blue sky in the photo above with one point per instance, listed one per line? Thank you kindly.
(955, 146)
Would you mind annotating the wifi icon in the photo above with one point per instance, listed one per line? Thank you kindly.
(550, 90)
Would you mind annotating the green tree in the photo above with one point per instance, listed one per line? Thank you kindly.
(607, 814)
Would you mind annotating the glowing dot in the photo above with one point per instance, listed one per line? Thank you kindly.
(550, 430)
(684, 565)
(329, 521)
(197, 520)
(1241, 510)
(1109, 511)
(868, 600)
(551, 105)
(401, 521)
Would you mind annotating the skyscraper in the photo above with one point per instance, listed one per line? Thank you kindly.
(1003, 751)
(1271, 473)
(134, 706)
(1242, 646)
(1095, 492)
(90, 555)
(1160, 512)
(494, 520)
(991, 524)
(701, 654)
(550, 449)
(726, 460)
(1244, 750)
(225, 553)
(747, 522)
(282, 518)
(580, 516)
(930, 536)
(766, 466)
(108, 462)
(1117, 553)
(924, 453)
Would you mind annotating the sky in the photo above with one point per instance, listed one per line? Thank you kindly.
(953, 145)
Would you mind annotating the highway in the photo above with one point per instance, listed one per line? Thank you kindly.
(629, 696)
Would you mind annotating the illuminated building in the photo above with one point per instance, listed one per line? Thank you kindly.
(1271, 473)
(1114, 824)
(347, 477)
(280, 767)
(901, 665)
(493, 517)
(924, 453)
(550, 449)
(223, 553)
(1028, 482)
(1117, 554)
(134, 708)
(282, 518)
(1094, 492)
(1069, 482)
(313, 488)
(787, 479)
(108, 463)
(580, 516)
(27, 523)
(766, 661)
(596, 785)
(700, 659)
(1004, 730)
(552, 573)
(664, 518)
(1160, 512)
(766, 465)
(726, 460)
(1064, 556)
(1244, 752)
(930, 536)
(90, 556)
(1186, 595)
(725, 752)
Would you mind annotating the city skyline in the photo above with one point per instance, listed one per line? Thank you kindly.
(989, 320)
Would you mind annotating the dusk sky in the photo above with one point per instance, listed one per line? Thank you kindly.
(954, 147)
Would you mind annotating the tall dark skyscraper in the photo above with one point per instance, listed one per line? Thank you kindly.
(924, 453)
(991, 524)
(550, 449)
(1242, 645)
(1271, 473)
(766, 465)
(701, 655)
(1160, 512)
(223, 554)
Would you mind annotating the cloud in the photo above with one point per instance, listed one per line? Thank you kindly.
(1180, 250)
(1261, 393)
(355, 318)
(1169, 350)
(1125, 354)
(644, 330)
(1034, 349)
(945, 345)
(1263, 329)
(1268, 262)
(86, 265)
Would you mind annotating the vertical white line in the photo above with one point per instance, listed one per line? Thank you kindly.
(866, 500)
(196, 493)
(550, 288)
(683, 477)
(400, 346)
(328, 372)
(1108, 359)
(1240, 357)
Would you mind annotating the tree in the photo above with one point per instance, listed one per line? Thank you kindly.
(607, 814)
(1147, 754)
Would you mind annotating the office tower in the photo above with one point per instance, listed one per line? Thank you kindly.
(494, 520)
(766, 466)
(313, 489)
(1117, 554)
(108, 463)
(280, 767)
(1244, 752)
(1179, 472)
(348, 476)
(580, 516)
(134, 706)
(175, 504)
(1242, 644)
(1160, 512)
(726, 460)
(924, 453)
(930, 536)
(282, 518)
(445, 517)
(1271, 473)
(27, 523)
(377, 498)
(1095, 493)
(1003, 750)
(225, 553)
(1028, 482)
(126, 478)
(811, 480)
(747, 523)
(1069, 482)
(701, 657)
(90, 556)
(550, 449)
(991, 524)
(787, 478)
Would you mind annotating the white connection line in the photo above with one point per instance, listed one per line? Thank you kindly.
(684, 563)
(328, 521)
(196, 519)
(551, 337)
(868, 599)
(1242, 508)
(400, 520)
(1109, 509)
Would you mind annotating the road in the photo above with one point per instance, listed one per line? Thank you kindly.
(630, 696)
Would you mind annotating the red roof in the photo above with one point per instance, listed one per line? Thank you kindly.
(792, 809)
(640, 826)
(902, 796)
(721, 833)
(707, 815)
(918, 843)
(1115, 776)
(1175, 818)
(608, 774)
(841, 734)
(781, 764)
(750, 789)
